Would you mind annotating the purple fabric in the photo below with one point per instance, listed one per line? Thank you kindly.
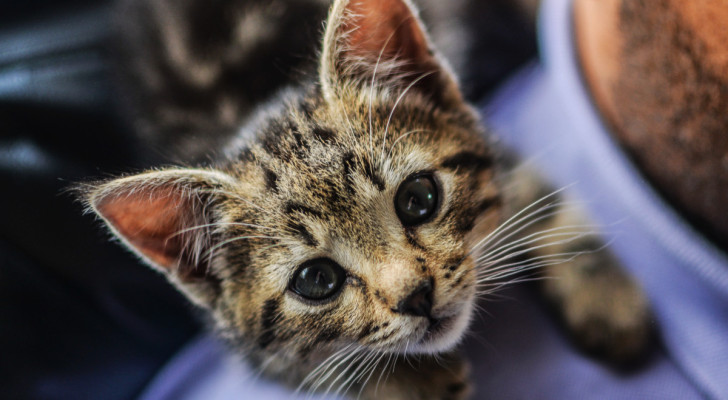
(205, 369)
(516, 350)
(546, 113)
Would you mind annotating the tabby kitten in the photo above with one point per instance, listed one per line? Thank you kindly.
(353, 223)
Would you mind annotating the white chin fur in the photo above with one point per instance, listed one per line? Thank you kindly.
(446, 340)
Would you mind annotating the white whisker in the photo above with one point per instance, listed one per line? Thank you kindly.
(396, 103)
(360, 370)
(493, 288)
(356, 375)
(371, 95)
(402, 136)
(528, 250)
(192, 228)
(373, 368)
(382, 373)
(535, 238)
(357, 355)
(323, 366)
(228, 241)
(237, 197)
(526, 221)
(517, 265)
(521, 267)
(509, 221)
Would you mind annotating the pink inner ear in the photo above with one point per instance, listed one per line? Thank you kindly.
(150, 221)
(387, 27)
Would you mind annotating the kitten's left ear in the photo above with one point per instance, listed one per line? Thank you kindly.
(383, 42)
(167, 217)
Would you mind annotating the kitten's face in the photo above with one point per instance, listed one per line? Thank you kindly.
(358, 224)
(344, 218)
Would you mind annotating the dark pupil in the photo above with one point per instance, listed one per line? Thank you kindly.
(416, 200)
(318, 281)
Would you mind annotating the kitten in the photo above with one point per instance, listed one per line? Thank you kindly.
(352, 222)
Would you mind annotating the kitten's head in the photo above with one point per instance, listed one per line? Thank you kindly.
(348, 215)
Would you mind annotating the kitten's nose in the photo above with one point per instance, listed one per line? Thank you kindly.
(419, 302)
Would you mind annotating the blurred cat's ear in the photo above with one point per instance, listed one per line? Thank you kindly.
(383, 43)
(166, 217)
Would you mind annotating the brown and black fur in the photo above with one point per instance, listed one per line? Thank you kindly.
(313, 175)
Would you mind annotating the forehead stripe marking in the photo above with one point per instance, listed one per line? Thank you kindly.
(347, 161)
(300, 146)
(246, 155)
(271, 180)
(467, 160)
(330, 193)
(293, 207)
(304, 233)
(272, 145)
(323, 134)
(372, 175)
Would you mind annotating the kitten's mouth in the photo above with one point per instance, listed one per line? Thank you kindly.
(437, 328)
(442, 334)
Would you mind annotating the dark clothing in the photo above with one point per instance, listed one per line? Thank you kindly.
(79, 316)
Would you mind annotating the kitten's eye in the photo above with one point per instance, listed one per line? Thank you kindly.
(416, 200)
(318, 279)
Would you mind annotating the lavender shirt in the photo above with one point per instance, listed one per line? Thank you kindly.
(517, 351)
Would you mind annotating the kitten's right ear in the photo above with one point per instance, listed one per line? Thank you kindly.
(166, 218)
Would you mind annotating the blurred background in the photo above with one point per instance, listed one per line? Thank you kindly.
(78, 317)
